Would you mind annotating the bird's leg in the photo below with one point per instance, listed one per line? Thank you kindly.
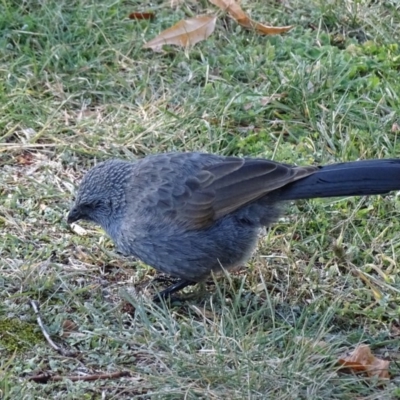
(166, 293)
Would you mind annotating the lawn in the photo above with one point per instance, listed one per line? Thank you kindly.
(76, 88)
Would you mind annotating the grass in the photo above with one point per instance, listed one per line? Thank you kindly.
(77, 88)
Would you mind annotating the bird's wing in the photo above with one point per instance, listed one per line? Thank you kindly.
(225, 186)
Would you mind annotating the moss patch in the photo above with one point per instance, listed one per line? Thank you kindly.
(17, 336)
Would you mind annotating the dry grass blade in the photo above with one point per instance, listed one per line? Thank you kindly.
(185, 33)
(236, 12)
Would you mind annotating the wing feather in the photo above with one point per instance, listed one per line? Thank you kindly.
(224, 187)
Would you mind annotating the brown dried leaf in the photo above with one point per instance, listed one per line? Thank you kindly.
(25, 158)
(244, 20)
(362, 360)
(232, 8)
(68, 327)
(267, 30)
(395, 127)
(185, 33)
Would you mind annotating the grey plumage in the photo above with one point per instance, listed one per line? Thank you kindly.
(188, 214)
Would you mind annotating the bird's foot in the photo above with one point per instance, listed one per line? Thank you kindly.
(166, 293)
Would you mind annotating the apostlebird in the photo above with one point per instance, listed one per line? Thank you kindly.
(190, 214)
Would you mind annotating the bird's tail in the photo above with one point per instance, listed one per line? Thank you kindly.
(356, 178)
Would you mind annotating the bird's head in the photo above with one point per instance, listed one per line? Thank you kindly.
(101, 195)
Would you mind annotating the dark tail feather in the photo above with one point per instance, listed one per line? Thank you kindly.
(356, 178)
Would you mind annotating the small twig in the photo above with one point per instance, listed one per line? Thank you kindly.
(45, 377)
(61, 351)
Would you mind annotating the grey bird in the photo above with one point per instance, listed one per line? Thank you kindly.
(190, 214)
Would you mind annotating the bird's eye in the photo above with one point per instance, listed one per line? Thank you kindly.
(88, 206)
(93, 204)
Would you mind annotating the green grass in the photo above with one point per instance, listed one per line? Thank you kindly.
(76, 88)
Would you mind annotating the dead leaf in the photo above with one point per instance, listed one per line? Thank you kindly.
(236, 12)
(231, 7)
(265, 29)
(185, 33)
(68, 327)
(25, 158)
(142, 15)
(395, 128)
(362, 360)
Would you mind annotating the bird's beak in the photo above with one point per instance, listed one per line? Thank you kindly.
(74, 215)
